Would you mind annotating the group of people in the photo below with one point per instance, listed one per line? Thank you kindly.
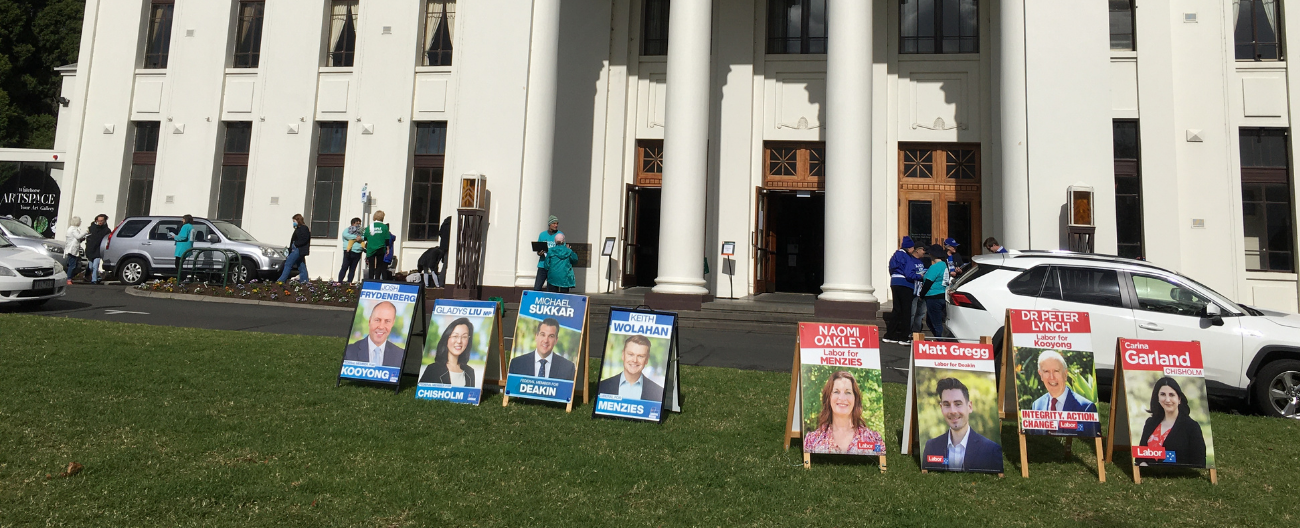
(555, 263)
(374, 242)
(74, 251)
(919, 277)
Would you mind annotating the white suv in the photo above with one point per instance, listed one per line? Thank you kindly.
(1249, 353)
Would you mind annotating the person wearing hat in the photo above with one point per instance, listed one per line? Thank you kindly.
(904, 272)
(955, 262)
(548, 236)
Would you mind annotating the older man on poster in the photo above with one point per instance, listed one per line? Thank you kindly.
(375, 348)
(960, 448)
(542, 362)
(632, 383)
(1055, 376)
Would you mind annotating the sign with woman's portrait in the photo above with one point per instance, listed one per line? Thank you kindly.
(458, 354)
(1168, 410)
(841, 407)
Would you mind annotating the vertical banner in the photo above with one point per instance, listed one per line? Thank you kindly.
(842, 401)
(381, 331)
(547, 346)
(634, 370)
(1055, 373)
(1164, 403)
(956, 415)
(456, 356)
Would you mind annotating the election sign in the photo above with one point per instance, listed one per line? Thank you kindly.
(952, 402)
(1160, 405)
(465, 354)
(839, 407)
(550, 348)
(638, 372)
(382, 331)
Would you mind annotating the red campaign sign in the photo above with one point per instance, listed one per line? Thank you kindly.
(935, 459)
(1049, 322)
(957, 351)
(1147, 354)
(1148, 452)
(824, 335)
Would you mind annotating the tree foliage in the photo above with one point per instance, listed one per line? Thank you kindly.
(36, 36)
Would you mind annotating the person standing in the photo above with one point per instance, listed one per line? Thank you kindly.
(955, 262)
(559, 266)
(353, 245)
(993, 246)
(94, 238)
(299, 248)
(903, 274)
(923, 262)
(72, 247)
(184, 241)
(548, 236)
(376, 247)
(934, 286)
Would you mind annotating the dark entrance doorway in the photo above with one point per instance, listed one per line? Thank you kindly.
(796, 232)
(641, 236)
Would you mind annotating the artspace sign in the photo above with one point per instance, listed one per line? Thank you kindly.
(31, 196)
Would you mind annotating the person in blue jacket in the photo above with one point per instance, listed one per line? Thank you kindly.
(904, 272)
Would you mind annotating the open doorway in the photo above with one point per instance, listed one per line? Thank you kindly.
(796, 222)
(641, 236)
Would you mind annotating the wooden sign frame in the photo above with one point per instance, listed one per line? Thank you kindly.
(911, 422)
(582, 365)
(793, 426)
(500, 380)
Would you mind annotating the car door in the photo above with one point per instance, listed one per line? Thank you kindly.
(1096, 291)
(160, 247)
(1170, 309)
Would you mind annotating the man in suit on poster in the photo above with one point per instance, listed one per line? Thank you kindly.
(632, 382)
(960, 448)
(543, 362)
(1055, 377)
(375, 348)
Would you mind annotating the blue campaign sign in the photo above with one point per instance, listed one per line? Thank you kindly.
(556, 390)
(387, 291)
(364, 371)
(432, 391)
(464, 308)
(569, 310)
(611, 405)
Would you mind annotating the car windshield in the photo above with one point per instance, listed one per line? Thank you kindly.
(19, 228)
(4, 242)
(233, 232)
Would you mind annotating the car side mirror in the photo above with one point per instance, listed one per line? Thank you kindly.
(213, 238)
(1213, 313)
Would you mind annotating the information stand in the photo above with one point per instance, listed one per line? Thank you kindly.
(388, 317)
(836, 370)
(1158, 382)
(940, 374)
(640, 357)
(466, 355)
(550, 327)
(1049, 371)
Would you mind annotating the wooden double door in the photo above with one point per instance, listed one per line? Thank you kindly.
(939, 194)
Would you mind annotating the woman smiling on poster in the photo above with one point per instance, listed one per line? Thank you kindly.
(840, 427)
(451, 361)
(1171, 426)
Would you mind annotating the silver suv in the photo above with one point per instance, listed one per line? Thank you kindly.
(140, 248)
(25, 237)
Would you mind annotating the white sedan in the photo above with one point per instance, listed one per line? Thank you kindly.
(28, 278)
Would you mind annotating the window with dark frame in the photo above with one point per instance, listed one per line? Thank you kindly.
(234, 171)
(439, 28)
(796, 27)
(144, 155)
(248, 33)
(426, 180)
(1128, 189)
(654, 28)
(1269, 219)
(158, 41)
(939, 26)
(327, 185)
(342, 49)
(794, 165)
(1258, 29)
(1121, 25)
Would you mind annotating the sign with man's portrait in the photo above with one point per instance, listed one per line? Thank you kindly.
(956, 407)
(547, 347)
(1055, 374)
(635, 368)
(381, 330)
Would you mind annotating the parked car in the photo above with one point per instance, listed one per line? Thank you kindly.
(28, 278)
(1249, 353)
(139, 248)
(23, 236)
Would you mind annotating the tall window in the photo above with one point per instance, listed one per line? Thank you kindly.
(1259, 29)
(248, 33)
(139, 187)
(327, 186)
(796, 26)
(654, 28)
(939, 26)
(159, 40)
(1121, 25)
(439, 28)
(1266, 200)
(234, 172)
(1128, 189)
(343, 33)
(426, 180)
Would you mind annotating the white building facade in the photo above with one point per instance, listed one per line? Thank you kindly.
(811, 133)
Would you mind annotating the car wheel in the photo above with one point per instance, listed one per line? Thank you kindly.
(132, 271)
(245, 271)
(1277, 389)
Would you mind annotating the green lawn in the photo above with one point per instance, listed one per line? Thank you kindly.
(179, 427)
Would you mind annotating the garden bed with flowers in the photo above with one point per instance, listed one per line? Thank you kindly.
(317, 292)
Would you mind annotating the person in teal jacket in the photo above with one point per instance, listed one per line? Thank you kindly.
(559, 266)
(934, 285)
(184, 241)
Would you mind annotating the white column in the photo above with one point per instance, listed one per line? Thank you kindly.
(686, 142)
(539, 136)
(1015, 128)
(848, 153)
